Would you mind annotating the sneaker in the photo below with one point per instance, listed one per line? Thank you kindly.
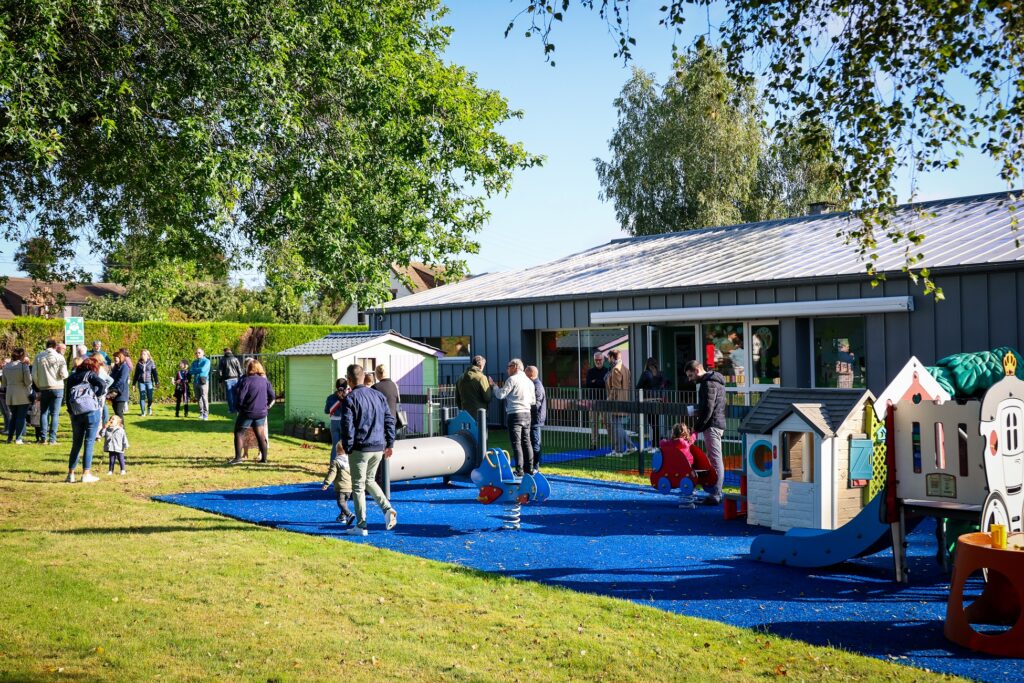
(124, 472)
(615, 454)
(357, 531)
(110, 472)
(235, 461)
(150, 412)
(392, 519)
(517, 472)
(89, 478)
(70, 478)
(20, 442)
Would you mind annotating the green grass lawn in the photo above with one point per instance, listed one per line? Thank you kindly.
(100, 582)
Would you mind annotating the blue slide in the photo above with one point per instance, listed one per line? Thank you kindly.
(862, 535)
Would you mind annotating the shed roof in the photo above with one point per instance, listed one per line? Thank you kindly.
(336, 344)
(959, 231)
(823, 409)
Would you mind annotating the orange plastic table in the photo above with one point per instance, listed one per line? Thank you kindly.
(1000, 602)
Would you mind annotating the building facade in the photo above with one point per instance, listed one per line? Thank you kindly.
(777, 303)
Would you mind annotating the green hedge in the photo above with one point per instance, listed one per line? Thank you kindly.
(168, 342)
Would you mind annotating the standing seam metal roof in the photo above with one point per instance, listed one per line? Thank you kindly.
(961, 231)
(343, 341)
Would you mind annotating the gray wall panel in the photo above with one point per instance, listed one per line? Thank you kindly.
(746, 296)
(806, 293)
(435, 324)
(948, 320)
(766, 295)
(527, 319)
(502, 334)
(1002, 309)
(515, 334)
(875, 353)
(709, 298)
(922, 329)
(568, 314)
(974, 312)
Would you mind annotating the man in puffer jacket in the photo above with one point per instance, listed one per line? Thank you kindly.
(710, 419)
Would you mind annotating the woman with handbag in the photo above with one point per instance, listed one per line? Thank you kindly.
(84, 399)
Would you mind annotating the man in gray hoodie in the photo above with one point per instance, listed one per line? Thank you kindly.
(49, 371)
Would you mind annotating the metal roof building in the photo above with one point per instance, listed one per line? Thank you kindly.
(774, 303)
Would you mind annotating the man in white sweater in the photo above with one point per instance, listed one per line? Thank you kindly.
(519, 397)
(49, 371)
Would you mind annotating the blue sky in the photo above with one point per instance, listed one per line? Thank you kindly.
(568, 117)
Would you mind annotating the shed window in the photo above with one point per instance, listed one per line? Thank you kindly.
(798, 456)
(453, 347)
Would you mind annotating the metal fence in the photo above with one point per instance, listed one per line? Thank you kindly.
(423, 407)
(273, 363)
(587, 431)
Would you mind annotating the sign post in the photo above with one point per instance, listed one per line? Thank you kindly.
(74, 331)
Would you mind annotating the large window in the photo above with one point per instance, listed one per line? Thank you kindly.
(839, 353)
(724, 350)
(566, 355)
(453, 347)
(765, 358)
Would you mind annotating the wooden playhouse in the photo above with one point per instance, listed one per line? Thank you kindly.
(313, 367)
(809, 457)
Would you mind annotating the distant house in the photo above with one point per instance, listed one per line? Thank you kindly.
(422, 277)
(24, 296)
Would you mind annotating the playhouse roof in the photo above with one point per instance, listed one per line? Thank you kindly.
(338, 344)
(823, 409)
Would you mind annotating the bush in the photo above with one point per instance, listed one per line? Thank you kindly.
(168, 342)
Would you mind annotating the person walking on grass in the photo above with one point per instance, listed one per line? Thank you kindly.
(255, 399)
(230, 371)
(199, 372)
(49, 372)
(121, 375)
(709, 418)
(520, 397)
(367, 437)
(97, 350)
(17, 378)
(146, 379)
(115, 443)
(538, 413)
(85, 393)
(594, 384)
(182, 388)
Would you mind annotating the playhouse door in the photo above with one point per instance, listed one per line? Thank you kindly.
(797, 495)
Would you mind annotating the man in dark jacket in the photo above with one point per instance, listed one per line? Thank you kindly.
(709, 418)
(474, 390)
(538, 413)
(367, 436)
(230, 370)
(386, 386)
(595, 383)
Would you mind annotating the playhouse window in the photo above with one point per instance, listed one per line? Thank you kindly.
(798, 456)
(839, 353)
(961, 430)
(1013, 421)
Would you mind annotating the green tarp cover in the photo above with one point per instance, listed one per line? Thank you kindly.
(970, 375)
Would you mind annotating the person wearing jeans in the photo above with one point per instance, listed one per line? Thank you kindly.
(230, 370)
(538, 414)
(17, 378)
(49, 372)
(710, 419)
(146, 379)
(199, 372)
(333, 406)
(85, 415)
(520, 397)
(121, 375)
(367, 436)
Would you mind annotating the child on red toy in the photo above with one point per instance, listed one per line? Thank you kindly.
(681, 459)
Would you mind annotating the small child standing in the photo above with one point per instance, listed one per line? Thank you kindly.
(34, 413)
(338, 474)
(182, 389)
(115, 442)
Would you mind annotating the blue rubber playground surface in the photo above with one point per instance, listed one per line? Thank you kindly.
(630, 542)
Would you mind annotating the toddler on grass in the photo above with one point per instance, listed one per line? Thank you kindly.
(338, 474)
(115, 443)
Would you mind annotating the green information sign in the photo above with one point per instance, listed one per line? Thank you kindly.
(74, 330)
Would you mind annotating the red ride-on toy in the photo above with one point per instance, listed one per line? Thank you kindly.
(670, 468)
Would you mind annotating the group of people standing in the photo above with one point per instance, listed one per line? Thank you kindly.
(525, 406)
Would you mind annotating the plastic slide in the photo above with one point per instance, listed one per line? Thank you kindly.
(862, 535)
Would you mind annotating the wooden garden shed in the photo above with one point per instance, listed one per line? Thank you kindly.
(313, 367)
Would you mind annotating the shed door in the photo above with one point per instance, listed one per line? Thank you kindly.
(797, 483)
(407, 373)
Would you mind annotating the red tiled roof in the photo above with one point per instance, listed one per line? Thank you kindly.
(79, 294)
